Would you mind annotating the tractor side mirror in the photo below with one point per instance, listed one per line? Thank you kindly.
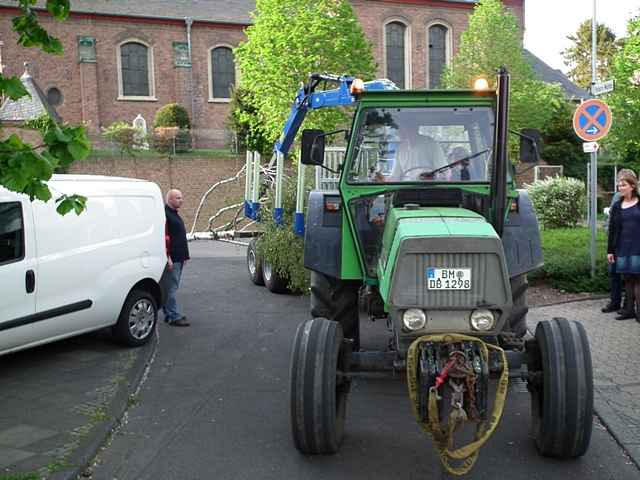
(530, 145)
(312, 147)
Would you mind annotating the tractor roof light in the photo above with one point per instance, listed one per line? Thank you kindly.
(481, 84)
(357, 86)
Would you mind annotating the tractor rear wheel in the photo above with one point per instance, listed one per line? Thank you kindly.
(337, 300)
(562, 393)
(318, 390)
(518, 317)
(254, 263)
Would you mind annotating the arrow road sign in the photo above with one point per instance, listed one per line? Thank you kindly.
(590, 147)
(592, 120)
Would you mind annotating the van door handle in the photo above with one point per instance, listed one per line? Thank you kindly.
(30, 281)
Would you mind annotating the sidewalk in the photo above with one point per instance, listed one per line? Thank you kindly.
(615, 352)
(59, 402)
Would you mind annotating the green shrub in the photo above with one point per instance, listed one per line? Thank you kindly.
(171, 140)
(558, 201)
(279, 245)
(125, 136)
(172, 115)
(567, 260)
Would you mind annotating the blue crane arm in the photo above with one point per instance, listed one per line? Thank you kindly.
(308, 99)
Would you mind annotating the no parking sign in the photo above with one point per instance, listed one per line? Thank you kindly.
(592, 120)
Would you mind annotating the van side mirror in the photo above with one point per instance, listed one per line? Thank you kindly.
(312, 147)
(530, 145)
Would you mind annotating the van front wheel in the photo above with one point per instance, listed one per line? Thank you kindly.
(137, 319)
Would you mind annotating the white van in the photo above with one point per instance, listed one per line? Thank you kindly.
(65, 275)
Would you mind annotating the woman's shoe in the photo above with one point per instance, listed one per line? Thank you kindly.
(626, 316)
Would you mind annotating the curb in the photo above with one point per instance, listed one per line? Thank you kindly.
(95, 439)
(575, 300)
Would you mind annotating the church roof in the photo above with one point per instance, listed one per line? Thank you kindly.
(550, 75)
(223, 11)
(27, 108)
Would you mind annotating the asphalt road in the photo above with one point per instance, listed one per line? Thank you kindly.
(215, 404)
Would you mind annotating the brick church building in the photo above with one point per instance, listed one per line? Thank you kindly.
(124, 58)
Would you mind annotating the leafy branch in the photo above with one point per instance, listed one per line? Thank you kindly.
(23, 167)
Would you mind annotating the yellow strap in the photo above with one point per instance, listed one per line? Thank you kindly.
(443, 438)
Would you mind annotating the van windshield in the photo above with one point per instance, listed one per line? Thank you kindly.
(409, 145)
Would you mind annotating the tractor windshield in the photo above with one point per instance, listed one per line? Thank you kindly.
(415, 145)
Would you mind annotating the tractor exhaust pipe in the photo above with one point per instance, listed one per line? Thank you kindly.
(501, 145)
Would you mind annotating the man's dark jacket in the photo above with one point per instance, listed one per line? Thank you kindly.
(178, 247)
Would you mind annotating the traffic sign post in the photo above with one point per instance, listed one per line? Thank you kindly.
(591, 122)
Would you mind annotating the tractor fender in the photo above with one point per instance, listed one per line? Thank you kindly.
(323, 235)
(521, 238)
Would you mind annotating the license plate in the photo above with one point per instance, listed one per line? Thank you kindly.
(448, 278)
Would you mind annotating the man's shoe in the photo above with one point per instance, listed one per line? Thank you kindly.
(626, 316)
(181, 322)
(610, 307)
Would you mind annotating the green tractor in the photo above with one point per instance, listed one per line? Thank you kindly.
(428, 236)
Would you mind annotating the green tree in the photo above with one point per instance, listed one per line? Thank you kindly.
(289, 40)
(493, 40)
(561, 145)
(23, 167)
(578, 56)
(625, 99)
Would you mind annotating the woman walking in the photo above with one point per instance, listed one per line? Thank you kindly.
(623, 247)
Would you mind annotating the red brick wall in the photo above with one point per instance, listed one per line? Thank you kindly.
(97, 83)
(417, 14)
(90, 91)
(193, 176)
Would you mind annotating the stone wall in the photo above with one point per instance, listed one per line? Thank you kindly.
(192, 175)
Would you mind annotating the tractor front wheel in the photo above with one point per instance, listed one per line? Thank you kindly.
(337, 300)
(319, 387)
(561, 386)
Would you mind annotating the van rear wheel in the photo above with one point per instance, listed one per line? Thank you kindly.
(137, 319)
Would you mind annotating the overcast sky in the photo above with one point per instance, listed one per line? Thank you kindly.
(548, 22)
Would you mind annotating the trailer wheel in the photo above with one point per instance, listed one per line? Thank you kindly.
(562, 396)
(274, 282)
(254, 263)
(318, 391)
(337, 300)
(518, 317)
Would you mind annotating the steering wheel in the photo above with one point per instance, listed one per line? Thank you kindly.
(432, 173)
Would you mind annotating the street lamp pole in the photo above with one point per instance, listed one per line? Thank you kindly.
(594, 155)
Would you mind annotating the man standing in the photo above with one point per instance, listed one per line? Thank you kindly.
(178, 254)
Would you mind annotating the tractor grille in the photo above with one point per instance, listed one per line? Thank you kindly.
(409, 286)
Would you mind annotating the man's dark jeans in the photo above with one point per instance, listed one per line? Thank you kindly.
(615, 279)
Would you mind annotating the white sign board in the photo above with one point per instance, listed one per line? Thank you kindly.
(602, 87)
(590, 147)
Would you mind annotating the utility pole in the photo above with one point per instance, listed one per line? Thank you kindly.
(594, 155)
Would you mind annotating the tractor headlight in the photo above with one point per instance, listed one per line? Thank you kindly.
(414, 319)
(482, 320)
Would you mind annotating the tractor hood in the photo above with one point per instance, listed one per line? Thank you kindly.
(417, 239)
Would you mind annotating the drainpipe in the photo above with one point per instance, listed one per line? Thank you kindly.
(189, 22)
